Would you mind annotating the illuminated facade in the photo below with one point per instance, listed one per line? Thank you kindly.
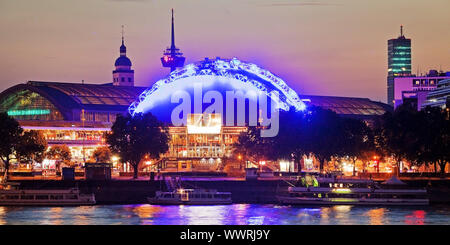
(76, 115)
(199, 151)
(439, 97)
(415, 89)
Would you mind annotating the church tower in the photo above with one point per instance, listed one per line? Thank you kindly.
(123, 75)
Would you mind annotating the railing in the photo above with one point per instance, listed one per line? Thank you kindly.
(76, 142)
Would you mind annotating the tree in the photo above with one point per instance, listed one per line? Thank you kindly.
(289, 143)
(17, 144)
(102, 154)
(318, 131)
(245, 145)
(435, 135)
(251, 146)
(132, 137)
(323, 134)
(394, 134)
(10, 133)
(399, 134)
(357, 140)
(422, 137)
(31, 147)
(60, 152)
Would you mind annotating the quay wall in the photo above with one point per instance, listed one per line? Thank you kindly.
(136, 191)
(252, 191)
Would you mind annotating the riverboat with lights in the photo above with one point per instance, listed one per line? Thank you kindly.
(12, 196)
(191, 197)
(356, 192)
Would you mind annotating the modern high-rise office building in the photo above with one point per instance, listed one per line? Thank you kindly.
(399, 62)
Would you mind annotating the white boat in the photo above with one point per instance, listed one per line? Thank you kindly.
(49, 197)
(191, 197)
(355, 192)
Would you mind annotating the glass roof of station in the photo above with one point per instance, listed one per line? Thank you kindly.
(106, 97)
(92, 94)
(347, 105)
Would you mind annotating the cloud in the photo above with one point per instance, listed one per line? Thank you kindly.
(313, 3)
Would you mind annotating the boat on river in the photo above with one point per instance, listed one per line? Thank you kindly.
(10, 195)
(191, 197)
(355, 192)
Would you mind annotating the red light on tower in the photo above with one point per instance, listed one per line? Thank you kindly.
(172, 57)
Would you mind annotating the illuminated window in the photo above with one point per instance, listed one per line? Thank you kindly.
(88, 116)
(101, 117)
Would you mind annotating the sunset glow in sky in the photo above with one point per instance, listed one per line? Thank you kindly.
(323, 47)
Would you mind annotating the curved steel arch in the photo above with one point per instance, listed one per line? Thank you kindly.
(259, 78)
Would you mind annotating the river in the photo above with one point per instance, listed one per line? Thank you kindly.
(236, 214)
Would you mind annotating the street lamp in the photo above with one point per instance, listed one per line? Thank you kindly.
(83, 136)
(261, 163)
(375, 160)
(240, 163)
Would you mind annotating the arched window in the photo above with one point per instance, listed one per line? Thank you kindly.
(29, 105)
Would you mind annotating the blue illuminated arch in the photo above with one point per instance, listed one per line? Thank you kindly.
(234, 69)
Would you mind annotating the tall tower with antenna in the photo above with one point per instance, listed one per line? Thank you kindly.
(399, 62)
(172, 56)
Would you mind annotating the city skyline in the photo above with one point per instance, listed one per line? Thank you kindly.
(79, 42)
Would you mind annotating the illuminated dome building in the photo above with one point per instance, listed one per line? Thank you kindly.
(203, 140)
(219, 75)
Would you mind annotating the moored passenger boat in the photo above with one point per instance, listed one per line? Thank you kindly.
(355, 192)
(191, 197)
(49, 197)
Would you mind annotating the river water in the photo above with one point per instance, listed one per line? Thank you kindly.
(236, 214)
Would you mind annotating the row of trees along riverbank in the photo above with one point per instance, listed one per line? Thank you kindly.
(20, 146)
(423, 138)
(420, 137)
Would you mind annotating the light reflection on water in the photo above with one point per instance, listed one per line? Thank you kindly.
(237, 214)
(376, 216)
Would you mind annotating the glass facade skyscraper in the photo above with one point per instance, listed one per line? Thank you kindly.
(399, 62)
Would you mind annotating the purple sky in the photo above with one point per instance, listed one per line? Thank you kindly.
(329, 47)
